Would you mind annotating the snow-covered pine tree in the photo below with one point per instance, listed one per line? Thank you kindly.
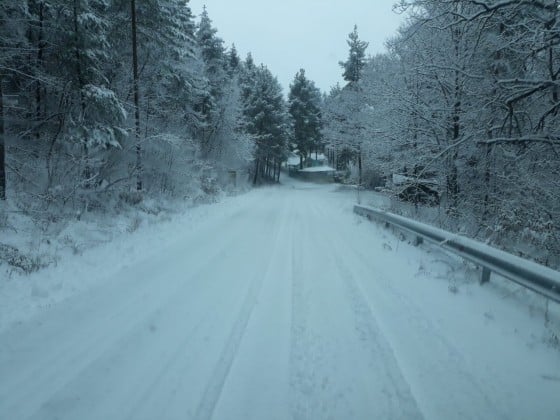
(233, 60)
(98, 114)
(266, 120)
(304, 105)
(215, 68)
(355, 63)
(74, 119)
(346, 112)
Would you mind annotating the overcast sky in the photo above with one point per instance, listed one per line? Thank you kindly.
(287, 35)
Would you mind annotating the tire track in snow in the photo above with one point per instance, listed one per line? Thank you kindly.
(170, 305)
(453, 356)
(321, 384)
(398, 398)
(39, 387)
(393, 396)
(299, 360)
(215, 386)
(362, 265)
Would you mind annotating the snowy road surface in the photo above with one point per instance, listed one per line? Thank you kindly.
(283, 305)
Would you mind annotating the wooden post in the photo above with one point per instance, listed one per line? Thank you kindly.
(359, 167)
(485, 276)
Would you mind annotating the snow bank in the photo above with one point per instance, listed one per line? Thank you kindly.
(86, 252)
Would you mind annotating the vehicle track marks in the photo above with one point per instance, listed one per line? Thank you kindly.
(399, 401)
(215, 386)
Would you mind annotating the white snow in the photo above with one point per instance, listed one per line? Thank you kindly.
(293, 160)
(323, 168)
(399, 179)
(277, 304)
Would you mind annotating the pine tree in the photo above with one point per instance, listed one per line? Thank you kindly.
(355, 63)
(233, 60)
(95, 113)
(266, 121)
(304, 104)
(215, 65)
(347, 107)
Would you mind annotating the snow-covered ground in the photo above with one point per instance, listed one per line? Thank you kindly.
(277, 304)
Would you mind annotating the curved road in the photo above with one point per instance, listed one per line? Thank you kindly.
(287, 306)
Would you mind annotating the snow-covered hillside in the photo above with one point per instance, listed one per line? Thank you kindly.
(276, 304)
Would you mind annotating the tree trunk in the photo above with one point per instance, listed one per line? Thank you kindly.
(81, 84)
(256, 176)
(39, 110)
(487, 181)
(359, 167)
(2, 146)
(452, 176)
(136, 98)
(336, 162)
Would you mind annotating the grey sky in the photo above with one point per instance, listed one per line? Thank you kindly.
(287, 35)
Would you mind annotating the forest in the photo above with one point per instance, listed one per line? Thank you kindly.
(109, 103)
(467, 95)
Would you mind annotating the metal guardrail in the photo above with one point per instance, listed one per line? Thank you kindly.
(536, 277)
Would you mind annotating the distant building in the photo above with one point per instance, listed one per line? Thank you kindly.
(315, 168)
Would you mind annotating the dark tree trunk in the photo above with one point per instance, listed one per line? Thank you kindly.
(81, 84)
(136, 98)
(256, 176)
(40, 53)
(2, 147)
(452, 175)
(359, 167)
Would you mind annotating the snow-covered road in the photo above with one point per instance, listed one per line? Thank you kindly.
(283, 306)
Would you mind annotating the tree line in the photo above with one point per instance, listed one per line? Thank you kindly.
(108, 100)
(467, 94)
(104, 100)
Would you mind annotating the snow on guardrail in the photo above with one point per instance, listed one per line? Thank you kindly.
(536, 277)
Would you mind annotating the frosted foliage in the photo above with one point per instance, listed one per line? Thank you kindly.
(466, 97)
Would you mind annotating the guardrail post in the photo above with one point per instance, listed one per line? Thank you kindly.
(485, 276)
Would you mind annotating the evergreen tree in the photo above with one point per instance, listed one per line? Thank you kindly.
(215, 66)
(304, 104)
(212, 51)
(347, 109)
(233, 60)
(247, 77)
(73, 52)
(266, 121)
(356, 61)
